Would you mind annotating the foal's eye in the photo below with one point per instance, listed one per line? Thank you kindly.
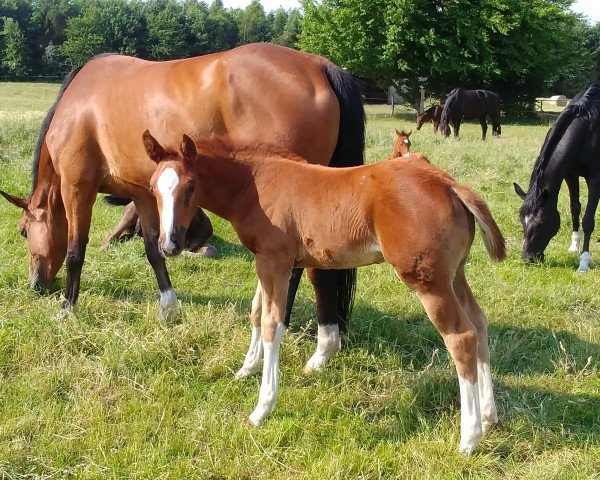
(189, 190)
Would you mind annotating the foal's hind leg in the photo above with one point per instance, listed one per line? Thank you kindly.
(147, 213)
(460, 337)
(130, 218)
(489, 414)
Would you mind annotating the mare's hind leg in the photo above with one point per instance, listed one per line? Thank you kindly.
(253, 356)
(130, 218)
(461, 339)
(147, 213)
(572, 182)
(484, 126)
(78, 202)
(328, 337)
(487, 404)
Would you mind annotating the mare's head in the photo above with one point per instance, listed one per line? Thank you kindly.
(540, 220)
(174, 184)
(45, 232)
(401, 145)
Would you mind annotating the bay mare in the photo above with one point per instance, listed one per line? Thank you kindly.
(571, 150)
(468, 105)
(89, 143)
(291, 214)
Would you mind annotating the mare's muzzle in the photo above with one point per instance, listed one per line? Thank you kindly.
(532, 257)
(41, 285)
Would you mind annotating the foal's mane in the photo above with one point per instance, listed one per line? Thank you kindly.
(587, 106)
(222, 147)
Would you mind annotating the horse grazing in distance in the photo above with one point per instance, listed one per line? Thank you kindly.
(402, 144)
(434, 114)
(470, 104)
(403, 211)
(571, 150)
(89, 143)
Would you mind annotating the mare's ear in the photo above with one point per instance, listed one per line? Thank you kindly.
(154, 149)
(17, 201)
(188, 148)
(519, 191)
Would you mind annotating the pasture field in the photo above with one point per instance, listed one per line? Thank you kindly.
(114, 393)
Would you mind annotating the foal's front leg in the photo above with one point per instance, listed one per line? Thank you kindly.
(253, 356)
(274, 285)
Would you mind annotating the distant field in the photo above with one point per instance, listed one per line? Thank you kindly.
(114, 393)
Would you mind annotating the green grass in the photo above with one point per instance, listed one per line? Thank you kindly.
(114, 393)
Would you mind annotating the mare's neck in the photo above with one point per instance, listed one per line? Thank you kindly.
(46, 193)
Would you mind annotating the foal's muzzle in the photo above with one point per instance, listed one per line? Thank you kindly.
(175, 243)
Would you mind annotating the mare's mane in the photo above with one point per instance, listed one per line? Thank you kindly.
(448, 105)
(587, 106)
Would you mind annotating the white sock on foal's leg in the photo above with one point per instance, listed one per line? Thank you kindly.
(584, 262)
(328, 344)
(470, 417)
(270, 378)
(253, 356)
(487, 404)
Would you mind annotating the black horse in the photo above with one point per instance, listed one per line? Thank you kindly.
(470, 104)
(571, 150)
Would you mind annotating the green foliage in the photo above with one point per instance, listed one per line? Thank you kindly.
(514, 47)
(13, 60)
(253, 24)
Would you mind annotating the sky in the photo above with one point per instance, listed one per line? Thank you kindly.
(590, 8)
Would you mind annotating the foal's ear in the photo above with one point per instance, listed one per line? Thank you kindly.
(17, 201)
(397, 132)
(154, 149)
(188, 148)
(519, 191)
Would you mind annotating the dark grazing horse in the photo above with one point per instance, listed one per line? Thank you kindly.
(434, 114)
(470, 104)
(571, 150)
(89, 143)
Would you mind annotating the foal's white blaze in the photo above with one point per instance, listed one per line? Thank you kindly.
(574, 247)
(328, 344)
(470, 421)
(584, 262)
(406, 141)
(166, 184)
(253, 356)
(270, 378)
(489, 414)
(407, 154)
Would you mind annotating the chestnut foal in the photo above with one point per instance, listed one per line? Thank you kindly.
(293, 214)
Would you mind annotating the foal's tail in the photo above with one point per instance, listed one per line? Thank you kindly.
(349, 151)
(492, 237)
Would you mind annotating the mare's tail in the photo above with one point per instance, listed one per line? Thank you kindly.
(492, 237)
(349, 152)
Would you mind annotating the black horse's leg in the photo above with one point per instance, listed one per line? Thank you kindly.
(588, 222)
(148, 215)
(496, 129)
(456, 126)
(328, 341)
(483, 126)
(572, 182)
(292, 289)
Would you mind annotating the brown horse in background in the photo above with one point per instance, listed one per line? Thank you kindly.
(402, 144)
(434, 114)
(89, 143)
(402, 211)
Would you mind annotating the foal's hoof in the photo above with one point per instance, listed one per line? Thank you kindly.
(466, 447)
(246, 372)
(487, 424)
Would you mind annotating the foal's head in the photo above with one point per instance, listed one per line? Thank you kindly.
(401, 145)
(173, 184)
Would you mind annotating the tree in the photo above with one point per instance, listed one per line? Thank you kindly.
(14, 61)
(253, 25)
(286, 27)
(221, 28)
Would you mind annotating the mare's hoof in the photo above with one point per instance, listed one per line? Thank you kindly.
(64, 313)
(206, 251)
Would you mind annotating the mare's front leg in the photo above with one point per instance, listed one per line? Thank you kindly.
(325, 283)
(572, 182)
(148, 216)
(588, 222)
(274, 281)
(78, 202)
(456, 126)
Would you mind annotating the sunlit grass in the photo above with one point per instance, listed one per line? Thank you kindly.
(116, 393)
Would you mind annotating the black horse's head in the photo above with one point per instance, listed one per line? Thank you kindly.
(540, 220)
